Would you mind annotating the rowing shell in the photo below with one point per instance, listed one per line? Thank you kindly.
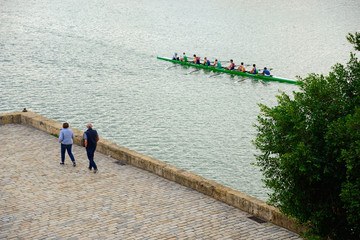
(245, 74)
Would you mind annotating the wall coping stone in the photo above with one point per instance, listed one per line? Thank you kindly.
(235, 198)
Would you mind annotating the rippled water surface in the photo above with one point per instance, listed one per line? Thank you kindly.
(95, 61)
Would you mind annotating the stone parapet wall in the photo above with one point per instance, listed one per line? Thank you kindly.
(225, 194)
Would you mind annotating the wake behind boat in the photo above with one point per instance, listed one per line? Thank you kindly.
(235, 72)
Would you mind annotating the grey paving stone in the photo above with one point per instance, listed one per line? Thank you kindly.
(48, 201)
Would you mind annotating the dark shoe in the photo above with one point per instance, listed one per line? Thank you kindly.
(95, 170)
(74, 164)
(89, 169)
(61, 163)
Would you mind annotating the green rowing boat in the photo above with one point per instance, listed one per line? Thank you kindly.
(245, 74)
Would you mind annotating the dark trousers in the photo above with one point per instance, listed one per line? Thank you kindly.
(67, 148)
(90, 153)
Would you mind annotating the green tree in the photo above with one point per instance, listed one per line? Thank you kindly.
(310, 151)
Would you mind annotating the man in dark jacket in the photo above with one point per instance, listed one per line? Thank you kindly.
(91, 138)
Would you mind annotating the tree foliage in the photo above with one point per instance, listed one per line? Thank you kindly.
(310, 151)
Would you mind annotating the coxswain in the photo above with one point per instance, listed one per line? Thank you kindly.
(183, 58)
(217, 64)
(232, 65)
(175, 57)
(196, 59)
(206, 62)
(241, 68)
(254, 70)
(266, 72)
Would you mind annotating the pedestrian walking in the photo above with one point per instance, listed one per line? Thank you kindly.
(66, 139)
(91, 138)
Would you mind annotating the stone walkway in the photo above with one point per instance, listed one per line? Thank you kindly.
(40, 199)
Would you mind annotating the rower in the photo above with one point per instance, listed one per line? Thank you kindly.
(175, 57)
(206, 62)
(254, 70)
(241, 68)
(217, 64)
(196, 60)
(266, 72)
(232, 65)
(183, 58)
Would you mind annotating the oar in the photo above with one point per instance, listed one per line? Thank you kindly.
(194, 71)
(171, 67)
(270, 69)
(227, 61)
(216, 74)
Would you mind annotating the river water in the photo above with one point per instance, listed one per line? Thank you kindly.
(95, 61)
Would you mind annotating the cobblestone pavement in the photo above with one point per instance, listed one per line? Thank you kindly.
(40, 199)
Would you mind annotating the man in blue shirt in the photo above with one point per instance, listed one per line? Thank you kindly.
(66, 139)
(206, 62)
(91, 138)
(266, 72)
(254, 70)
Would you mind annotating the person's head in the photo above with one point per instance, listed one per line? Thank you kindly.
(194, 55)
(242, 63)
(184, 54)
(265, 68)
(65, 125)
(215, 60)
(254, 65)
(231, 60)
(205, 58)
(89, 125)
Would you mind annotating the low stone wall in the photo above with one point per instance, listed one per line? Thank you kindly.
(230, 196)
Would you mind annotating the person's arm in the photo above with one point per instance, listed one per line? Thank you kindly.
(97, 138)
(85, 140)
(61, 137)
